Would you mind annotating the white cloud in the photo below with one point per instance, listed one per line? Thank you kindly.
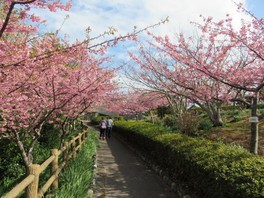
(124, 15)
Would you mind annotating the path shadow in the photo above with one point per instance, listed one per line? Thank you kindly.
(122, 174)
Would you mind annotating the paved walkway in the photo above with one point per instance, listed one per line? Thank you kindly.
(120, 173)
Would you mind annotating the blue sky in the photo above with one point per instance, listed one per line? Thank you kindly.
(256, 7)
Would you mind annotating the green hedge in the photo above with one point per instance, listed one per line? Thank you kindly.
(212, 169)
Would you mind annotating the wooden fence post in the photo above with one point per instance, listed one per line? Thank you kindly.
(65, 152)
(32, 189)
(84, 135)
(73, 146)
(54, 167)
(80, 140)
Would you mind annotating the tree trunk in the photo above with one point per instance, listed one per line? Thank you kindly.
(213, 112)
(152, 116)
(216, 117)
(27, 158)
(64, 132)
(178, 106)
(26, 150)
(254, 126)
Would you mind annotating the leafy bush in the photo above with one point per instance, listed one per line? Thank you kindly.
(232, 107)
(50, 136)
(234, 112)
(261, 106)
(138, 133)
(214, 169)
(205, 125)
(236, 119)
(188, 123)
(96, 120)
(169, 121)
(261, 111)
(11, 169)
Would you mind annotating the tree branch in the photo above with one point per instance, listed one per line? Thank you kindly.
(10, 12)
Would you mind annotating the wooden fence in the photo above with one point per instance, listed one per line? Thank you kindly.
(31, 182)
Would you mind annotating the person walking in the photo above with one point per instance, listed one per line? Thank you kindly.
(102, 126)
(109, 126)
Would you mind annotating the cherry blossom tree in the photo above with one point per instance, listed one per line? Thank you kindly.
(42, 78)
(179, 83)
(233, 57)
(149, 77)
(12, 15)
(133, 102)
(45, 78)
(246, 74)
(38, 91)
(86, 98)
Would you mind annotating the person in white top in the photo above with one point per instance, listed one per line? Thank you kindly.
(109, 126)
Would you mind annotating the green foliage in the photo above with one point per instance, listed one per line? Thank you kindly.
(162, 111)
(96, 120)
(139, 132)
(236, 119)
(232, 107)
(235, 115)
(77, 177)
(234, 112)
(203, 115)
(169, 120)
(205, 125)
(50, 136)
(11, 170)
(261, 111)
(188, 123)
(238, 112)
(261, 106)
(217, 169)
(212, 169)
(119, 118)
(78, 124)
(146, 128)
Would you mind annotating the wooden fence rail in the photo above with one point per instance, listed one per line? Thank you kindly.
(31, 182)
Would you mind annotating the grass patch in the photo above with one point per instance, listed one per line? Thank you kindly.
(77, 177)
(237, 133)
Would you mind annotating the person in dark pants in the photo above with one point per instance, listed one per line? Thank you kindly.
(109, 126)
(102, 126)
